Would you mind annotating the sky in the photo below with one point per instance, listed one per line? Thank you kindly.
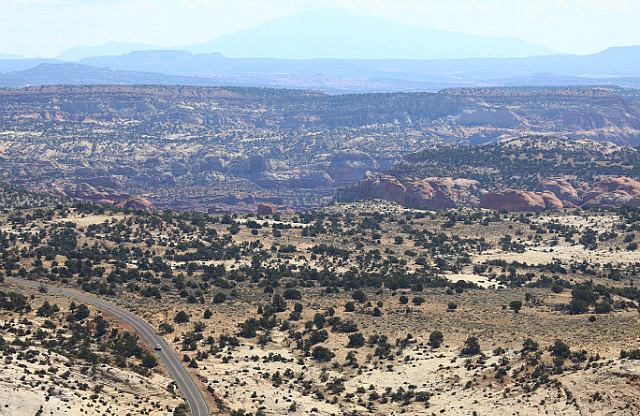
(47, 27)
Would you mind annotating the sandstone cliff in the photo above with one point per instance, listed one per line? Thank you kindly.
(446, 193)
(431, 194)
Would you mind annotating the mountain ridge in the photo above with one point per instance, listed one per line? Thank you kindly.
(77, 53)
(234, 73)
(310, 35)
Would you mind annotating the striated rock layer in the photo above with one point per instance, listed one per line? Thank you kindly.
(99, 194)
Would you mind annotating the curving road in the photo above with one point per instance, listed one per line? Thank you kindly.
(184, 381)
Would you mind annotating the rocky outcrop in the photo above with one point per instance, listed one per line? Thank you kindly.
(551, 201)
(89, 171)
(351, 166)
(108, 181)
(258, 164)
(253, 165)
(517, 200)
(266, 209)
(100, 195)
(443, 193)
(513, 200)
(431, 194)
(558, 194)
(212, 162)
(308, 179)
(561, 189)
(613, 192)
(621, 184)
(179, 168)
(136, 203)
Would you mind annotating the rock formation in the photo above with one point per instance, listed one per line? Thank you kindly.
(136, 203)
(266, 208)
(258, 164)
(551, 201)
(560, 188)
(429, 194)
(351, 166)
(99, 194)
(613, 192)
(558, 194)
(513, 200)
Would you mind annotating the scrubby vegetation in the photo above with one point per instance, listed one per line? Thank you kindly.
(336, 311)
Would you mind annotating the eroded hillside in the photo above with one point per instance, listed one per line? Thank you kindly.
(202, 149)
(526, 174)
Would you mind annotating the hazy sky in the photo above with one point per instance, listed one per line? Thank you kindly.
(47, 27)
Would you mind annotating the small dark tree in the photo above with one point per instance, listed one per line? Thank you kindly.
(356, 340)
(165, 328)
(577, 306)
(219, 298)
(471, 346)
(278, 303)
(418, 300)
(292, 294)
(181, 317)
(560, 349)
(47, 309)
(322, 354)
(529, 345)
(100, 325)
(359, 295)
(81, 312)
(249, 328)
(436, 339)
(149, 361)
(516, 305)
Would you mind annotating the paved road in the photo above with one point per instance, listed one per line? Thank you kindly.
(178, 372)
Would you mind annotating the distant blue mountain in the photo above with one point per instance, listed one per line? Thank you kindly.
(10, 56)
(614, 66)
(12, 64)
(111, 48)
(337, 35)
(77, 74)
(238, 73)
(611, 63)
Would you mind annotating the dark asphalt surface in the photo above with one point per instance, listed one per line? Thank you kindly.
(185, 383)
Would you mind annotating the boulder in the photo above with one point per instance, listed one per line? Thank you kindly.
(266, 208)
